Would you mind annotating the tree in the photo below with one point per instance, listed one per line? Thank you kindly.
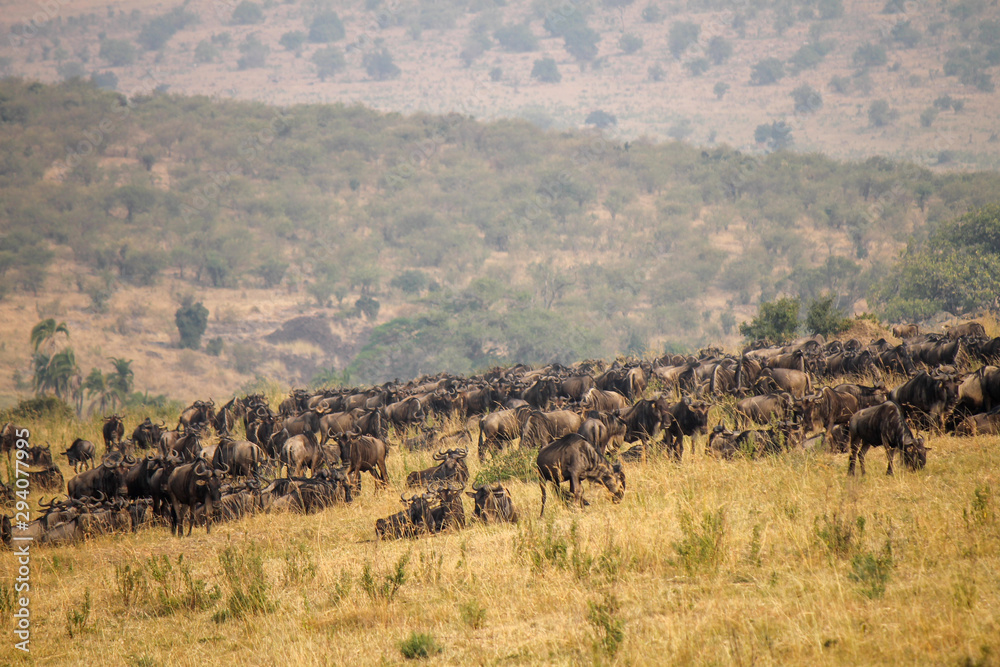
(823, 317)
(683, 35)
(254, 53)
(767, 71)
(601, 119)
(206, 52)
(117, 52)
(155, 34)
(777, 135)
(656, 72)
(248, 13)
(45, 332)
(697, 67)
(720, 89)
(292, 40)
(95, 386)
(328, 62)
(192, 320)
(881, 114)
(368, 306)
(516, 38)
(652, 14)
(581, 42)
(928, 116)
(719, 49)
(380, 65)
(776, 321)
(869, 55)
(630, 43)
(121, 380)
(326, 27)
(807, 99)
(546, 71)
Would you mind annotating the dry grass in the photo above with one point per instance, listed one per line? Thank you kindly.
(710, 562)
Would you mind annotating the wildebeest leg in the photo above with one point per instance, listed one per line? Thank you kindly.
(542, 484)
(890, 453)
(576, 488)
(861, 456)
(176, 518)
(208, 516)
(383, 473)
(854, 455)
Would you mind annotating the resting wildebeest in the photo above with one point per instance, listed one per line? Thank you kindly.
(451, 466)
(755, 442)
(415, 518)
(188, 486)
(106, 479)
(49, 478)
(573, 458)
(493, 503)
(113, 430)
(884, 426)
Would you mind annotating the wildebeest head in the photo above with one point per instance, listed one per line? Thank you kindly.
(915, 454)
(613, 478)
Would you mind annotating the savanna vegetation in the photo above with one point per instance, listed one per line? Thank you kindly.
(500, 241)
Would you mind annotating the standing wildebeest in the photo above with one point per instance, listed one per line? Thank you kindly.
(197, 414)
(687, 419)
(500, 427)
(451, 467)
(979, 392)
(905, 330)
(576, 387)
(796, 383)
(147, 434)
(971, 329)
(188, 486)
(114, 430)
(574, 459)
(541, 428)
(761, 409)
(924, 396)
(600, 428)
(81, 454)
(242, 457)
(604, 401)
(106, 479)
(365, 454)
(493, 503)
(8, 438)
(300, 452)
(885, 426)
(405, 412)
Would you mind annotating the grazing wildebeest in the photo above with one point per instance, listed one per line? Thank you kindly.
(885, 426)
(572, 458)
(493, 503)
(188, 486)
(501, 427)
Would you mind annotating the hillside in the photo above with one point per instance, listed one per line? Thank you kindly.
(706, 71)
(332, 238)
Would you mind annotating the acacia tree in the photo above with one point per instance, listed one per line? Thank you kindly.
(776, 321)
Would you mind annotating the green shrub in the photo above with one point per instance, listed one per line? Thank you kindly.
(767, 71)
(871, 571)
(419, 645)
(77, 618)
(192, 320)
(384, 587)
(546, 71)
(609, 627)
(41, 407)
(701, 548)
(292, 40)
(248, 13)
(243, 572)
(629, 43)
(326, 27)
(822, 317)
(117, 52)
(516, 38)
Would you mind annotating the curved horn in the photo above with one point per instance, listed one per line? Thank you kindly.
(201, 468)
(441, 455)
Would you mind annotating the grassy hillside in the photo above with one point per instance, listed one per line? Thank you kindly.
(465, 243)
(777, 561)
(655, 65)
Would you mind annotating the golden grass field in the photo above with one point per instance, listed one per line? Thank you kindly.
(706, 562)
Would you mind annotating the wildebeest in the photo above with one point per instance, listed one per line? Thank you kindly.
(884, 426)
(762, 409)
(541, 428)
(300, 452)
(104, 480)
(39, 456)
(242, 457)
(572, 458)
(501, 427)
(754, 442)
(147, 434)
(687, 419)
(795, 382)
(451, 466)
(905, 330)
(923, 395)
(980, 391)
(405, 412)
(188, 486)
(492, 503)
(415, 518)
(200, 413)
(600, 428)
(365, 454)
(49, 478)
(113, 430)
(604, 401)
(971, 329)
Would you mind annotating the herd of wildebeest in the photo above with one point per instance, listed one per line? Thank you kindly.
(310, 453)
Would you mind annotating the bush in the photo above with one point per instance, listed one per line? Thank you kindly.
(608, 625)
(581, 42)
(701, 548)
(697, 67)
(869, 55)
(380, 65)
(652, 14)
(807, 99)
(601, 119)
(905, 34)
(326, 27)
(41, 407)
(384, 587)
(840, 84)
(105, 80)
(214, 346)
(683, 35)
(157, 32)
(292, 40)
(328, 62)
(419, 645)
(546, 71)
(720, 89)
(776, 321)
(249, 590)
(412, 281)
(206, 52)
(516, 38)
(719, 50)
(630, 43)
(496, 74)
(777, 135)
(254, 53)
(871, 571)
(767, 71)
(928, 116)
(191, 320)
(822, 317)
(830, 9)
(117, 52)
(248, 13)
(656, 72)
(881, 114)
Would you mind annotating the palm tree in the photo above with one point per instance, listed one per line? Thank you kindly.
(61, 369)
(95, 385)
(41, 379)
(121, 380)
(45, 331)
